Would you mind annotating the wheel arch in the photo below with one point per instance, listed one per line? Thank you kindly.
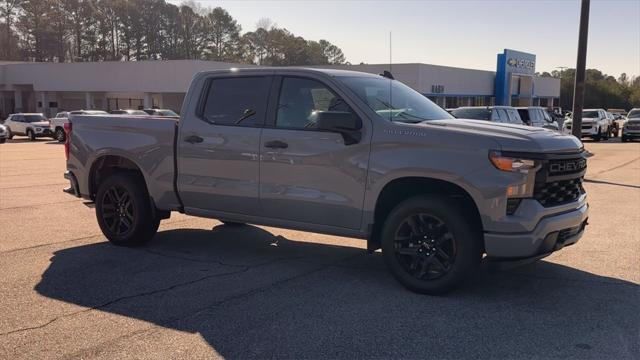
(105, 165)
(402, 188)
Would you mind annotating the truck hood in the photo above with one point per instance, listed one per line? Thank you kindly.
(513, 137)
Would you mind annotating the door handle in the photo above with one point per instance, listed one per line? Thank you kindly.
(193, 139)
(276, 144)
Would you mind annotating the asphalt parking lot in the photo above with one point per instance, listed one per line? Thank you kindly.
(203, 290)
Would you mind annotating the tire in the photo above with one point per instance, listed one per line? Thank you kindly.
(9, 134)
(3, 140)
(598, 137)
(60, 135)
(623, 138)
(122, 200)
(409, 252)
(31, 135)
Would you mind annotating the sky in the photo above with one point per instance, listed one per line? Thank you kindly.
(460, 33)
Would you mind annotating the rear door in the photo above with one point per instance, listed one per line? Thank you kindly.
(219, 144)
(307, 175)
(18, 126)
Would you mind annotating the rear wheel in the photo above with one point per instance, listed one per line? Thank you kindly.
(60, 135)
(429, 245)
(9, 134)
(124, 212)
(31, 135)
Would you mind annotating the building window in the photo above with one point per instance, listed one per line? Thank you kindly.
(451, 102)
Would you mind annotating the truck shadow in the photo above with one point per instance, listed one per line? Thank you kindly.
(251, 294)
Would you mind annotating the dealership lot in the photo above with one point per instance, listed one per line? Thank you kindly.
(201, 289)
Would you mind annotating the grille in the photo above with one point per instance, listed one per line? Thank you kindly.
(633, 127)
(586, 127)
(555, 193)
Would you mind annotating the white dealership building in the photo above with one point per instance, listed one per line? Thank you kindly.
(53, 87)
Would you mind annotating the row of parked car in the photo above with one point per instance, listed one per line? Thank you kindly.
(597, 124)
(36, 125)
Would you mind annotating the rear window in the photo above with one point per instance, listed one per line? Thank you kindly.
(238, 101)
(477, 114)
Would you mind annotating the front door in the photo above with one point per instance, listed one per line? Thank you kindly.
(307, 175)
(218, 149)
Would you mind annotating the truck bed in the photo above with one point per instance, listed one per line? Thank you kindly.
(146, 141)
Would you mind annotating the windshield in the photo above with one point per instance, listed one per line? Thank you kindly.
(634, 114)
(393, 100)
(590, 114)
(34, 118)
(477, 114)
(136, 112)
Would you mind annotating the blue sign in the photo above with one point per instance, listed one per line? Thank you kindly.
(511, 62)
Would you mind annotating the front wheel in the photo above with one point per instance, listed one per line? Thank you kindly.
(9, 134)
(31, 135)
(429, 245)
(598, 137)
(60, 135)
(124, 212)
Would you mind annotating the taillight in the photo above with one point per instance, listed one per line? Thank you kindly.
(67, 142)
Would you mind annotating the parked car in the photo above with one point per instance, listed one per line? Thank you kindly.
(537, 116)
(631, 127)
(127, 112)
(501, 114)
(3, 134)
(613, 125)
(595, 124)
(331, 151)
(33, 125)
(161, 112)
(57, 123)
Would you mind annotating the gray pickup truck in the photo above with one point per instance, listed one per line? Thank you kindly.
(342, 153)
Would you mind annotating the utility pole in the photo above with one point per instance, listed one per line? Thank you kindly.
(578, 90)
(561, 70)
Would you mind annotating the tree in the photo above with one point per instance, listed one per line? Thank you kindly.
(9, 41)
(333, 53)
(224, 35)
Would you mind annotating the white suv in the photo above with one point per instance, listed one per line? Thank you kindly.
(33, 125)
(595, 124)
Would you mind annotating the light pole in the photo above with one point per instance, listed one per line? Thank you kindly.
(578, 90)
(561, 70)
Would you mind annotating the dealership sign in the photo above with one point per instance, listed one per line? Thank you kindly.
(522, 63)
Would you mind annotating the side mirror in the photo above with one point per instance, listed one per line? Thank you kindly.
(345, 123)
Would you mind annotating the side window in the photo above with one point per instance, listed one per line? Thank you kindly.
(524, 115)
(240, 101)
(299, 98)
(503, 115)
(17, 118)
(514, 118)
(547, 118)
(496, 116)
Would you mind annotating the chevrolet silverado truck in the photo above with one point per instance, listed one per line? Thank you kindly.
(342, 153)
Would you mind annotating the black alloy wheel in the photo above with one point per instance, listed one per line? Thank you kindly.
(118, 210)
(431, 243)
(124, 210)
(60, 135)
(424, 246)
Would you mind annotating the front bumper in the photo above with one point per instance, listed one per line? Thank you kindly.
(586, 131)
(630, 133)
(550, 234)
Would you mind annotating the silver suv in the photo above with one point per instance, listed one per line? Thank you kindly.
(33, 125)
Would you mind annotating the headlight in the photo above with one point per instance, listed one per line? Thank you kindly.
(512, 164)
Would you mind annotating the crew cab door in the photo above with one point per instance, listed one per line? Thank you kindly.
(308, 175)
(219, 145)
